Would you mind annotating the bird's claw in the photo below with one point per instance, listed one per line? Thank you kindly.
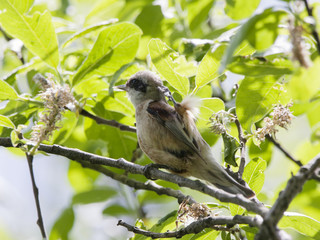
(167, 93)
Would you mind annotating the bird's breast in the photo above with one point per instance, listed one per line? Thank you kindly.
(158, 142)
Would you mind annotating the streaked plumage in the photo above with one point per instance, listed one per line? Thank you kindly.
(169, 136)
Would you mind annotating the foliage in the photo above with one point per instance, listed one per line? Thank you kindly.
(196, 47)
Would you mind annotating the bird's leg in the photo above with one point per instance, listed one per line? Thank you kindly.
(147, 169)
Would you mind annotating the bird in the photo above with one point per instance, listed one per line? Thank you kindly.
(168, 135)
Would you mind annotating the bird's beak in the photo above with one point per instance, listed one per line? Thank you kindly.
(121, 87)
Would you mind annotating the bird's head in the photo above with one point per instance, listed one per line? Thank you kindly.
(142, 86)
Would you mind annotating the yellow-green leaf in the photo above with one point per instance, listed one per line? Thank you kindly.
(35, 31)
(6, 91)
(163, 58)
(6, 122)
(116, 46)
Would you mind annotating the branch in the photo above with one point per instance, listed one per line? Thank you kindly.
(36, 196)
(293, 187)
(197, 226)
(313, 27)
(152, 173)
(243, 142)
(112, 123)
(315, 175)
(285, 152)
(150, 185)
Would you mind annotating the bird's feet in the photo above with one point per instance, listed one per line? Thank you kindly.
(147, 171)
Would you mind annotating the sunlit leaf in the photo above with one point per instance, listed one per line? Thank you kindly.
(208, 68)
(104, 11)
(256, 67)
(198, 12)
(305, 83)
(163, 57)
(36, 31)
(207, 108)
(88, 30)
(261, 31)
(6, 91)
(6, 122)
(256, 97)
(254, 174)
(302, 224)
(116, 46)
(239, 9)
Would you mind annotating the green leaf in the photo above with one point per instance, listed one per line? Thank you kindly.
(302, 224)
(6, 122)
(68, 124)
(208, 107)
(150, 19)
(264, 150)
(166, 223)
(256, 67)
(305, 83)
(205, 234)
(63, 225)
(208, 68)
(163, 58)
(261, 31)
(104, 10)
(235, 209)
(81, 179)
(255, 98)
(254, 174)
(264, 30)
(118, 143)
(116, 46)
(116, 210)
(94, 195)
(7, 92)
(231, 146)
(240, 9)
(36, 31)
(198, 12)
(88, 30)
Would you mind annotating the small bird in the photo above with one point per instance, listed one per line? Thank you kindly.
(169, 136)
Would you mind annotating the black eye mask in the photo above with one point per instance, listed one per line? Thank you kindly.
(137, 85)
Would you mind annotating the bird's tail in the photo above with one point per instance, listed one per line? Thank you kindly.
(221, 179)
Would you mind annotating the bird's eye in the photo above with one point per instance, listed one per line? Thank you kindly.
(137, 85)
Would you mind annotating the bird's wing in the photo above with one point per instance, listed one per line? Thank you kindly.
(169, 118)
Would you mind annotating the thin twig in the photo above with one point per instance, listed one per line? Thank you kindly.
(112, 123)
(294, 186)
(149, 185)
(313, 27)
(242, 139)
(285, 152)
(152, 173)
(315, 176)
(36, 196)
(197, 226)
(243, 142)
